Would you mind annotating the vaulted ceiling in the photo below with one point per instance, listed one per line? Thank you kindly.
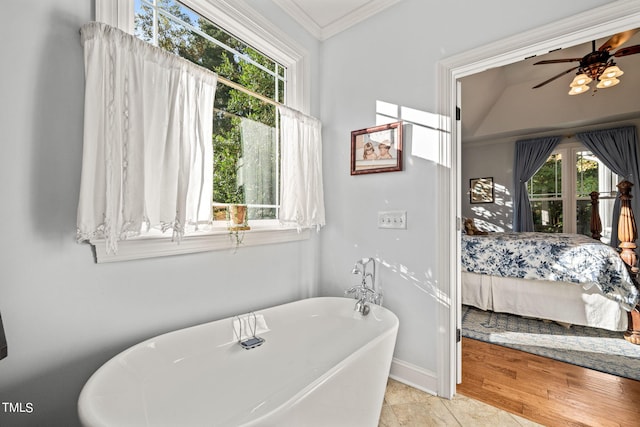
(501, 102)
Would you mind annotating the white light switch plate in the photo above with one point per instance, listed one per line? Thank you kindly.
(392, 219)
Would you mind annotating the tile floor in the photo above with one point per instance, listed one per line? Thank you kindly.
(407, 406)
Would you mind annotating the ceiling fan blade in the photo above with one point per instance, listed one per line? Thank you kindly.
(557, 61)
(627, 51)
(555, 77)
(618, 39)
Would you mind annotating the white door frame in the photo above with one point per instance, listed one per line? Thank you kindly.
(594, 24)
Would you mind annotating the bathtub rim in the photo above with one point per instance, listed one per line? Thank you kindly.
(331, 372)
(87, 418)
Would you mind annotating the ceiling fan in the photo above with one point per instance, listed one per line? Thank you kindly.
(597, 65)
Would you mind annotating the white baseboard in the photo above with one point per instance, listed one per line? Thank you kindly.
(414, 376)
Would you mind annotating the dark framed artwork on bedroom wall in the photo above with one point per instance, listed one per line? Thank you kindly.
(377, 149)
(481, 190)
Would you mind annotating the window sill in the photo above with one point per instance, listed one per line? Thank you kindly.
(159, 245)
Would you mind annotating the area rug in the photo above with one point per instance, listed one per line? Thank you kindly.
(592, 348)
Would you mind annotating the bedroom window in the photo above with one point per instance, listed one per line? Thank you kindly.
(545, 194)
(559, 192)
(245, 138)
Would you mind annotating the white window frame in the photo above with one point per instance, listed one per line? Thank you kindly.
(243, 22)
(564, 189)
(568, 151)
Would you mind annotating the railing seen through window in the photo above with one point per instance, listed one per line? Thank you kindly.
(245, 124)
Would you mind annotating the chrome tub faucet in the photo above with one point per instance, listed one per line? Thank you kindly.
(364, 293)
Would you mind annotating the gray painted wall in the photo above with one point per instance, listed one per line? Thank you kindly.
(392, 57)
(64, 315)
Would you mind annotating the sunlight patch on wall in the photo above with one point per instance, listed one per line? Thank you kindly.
(428, 285)
(493, 217)
(422, 132)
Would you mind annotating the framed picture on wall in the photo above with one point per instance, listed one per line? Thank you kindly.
(481, 190)
(377, 149)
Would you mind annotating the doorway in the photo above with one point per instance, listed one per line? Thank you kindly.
(594, 24)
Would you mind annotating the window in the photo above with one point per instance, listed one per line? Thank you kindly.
(560, 192)
(252, 53)
(245, 140)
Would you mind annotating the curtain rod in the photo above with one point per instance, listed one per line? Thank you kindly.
(236, 86)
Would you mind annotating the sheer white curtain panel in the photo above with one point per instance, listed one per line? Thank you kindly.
(302, 200)
(147, 154)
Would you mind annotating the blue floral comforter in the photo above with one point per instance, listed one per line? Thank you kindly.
(556, 257)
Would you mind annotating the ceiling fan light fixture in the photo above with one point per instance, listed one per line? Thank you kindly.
(580, 80)
(598, 65)
(605, 83)
(577, 90)
(612, 72)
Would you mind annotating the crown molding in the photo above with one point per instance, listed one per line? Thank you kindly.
(324, 32)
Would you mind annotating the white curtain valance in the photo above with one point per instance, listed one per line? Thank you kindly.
(302, 201)
(147, 154)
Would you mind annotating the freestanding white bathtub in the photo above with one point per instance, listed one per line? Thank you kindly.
(322, 364)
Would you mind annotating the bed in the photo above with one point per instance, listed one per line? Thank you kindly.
(567, 278)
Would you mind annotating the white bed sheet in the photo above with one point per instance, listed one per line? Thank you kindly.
(558, 301)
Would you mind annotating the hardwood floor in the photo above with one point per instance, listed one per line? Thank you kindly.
(547, 391)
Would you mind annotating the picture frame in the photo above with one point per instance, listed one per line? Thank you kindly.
(481, 190)
(384, 149)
